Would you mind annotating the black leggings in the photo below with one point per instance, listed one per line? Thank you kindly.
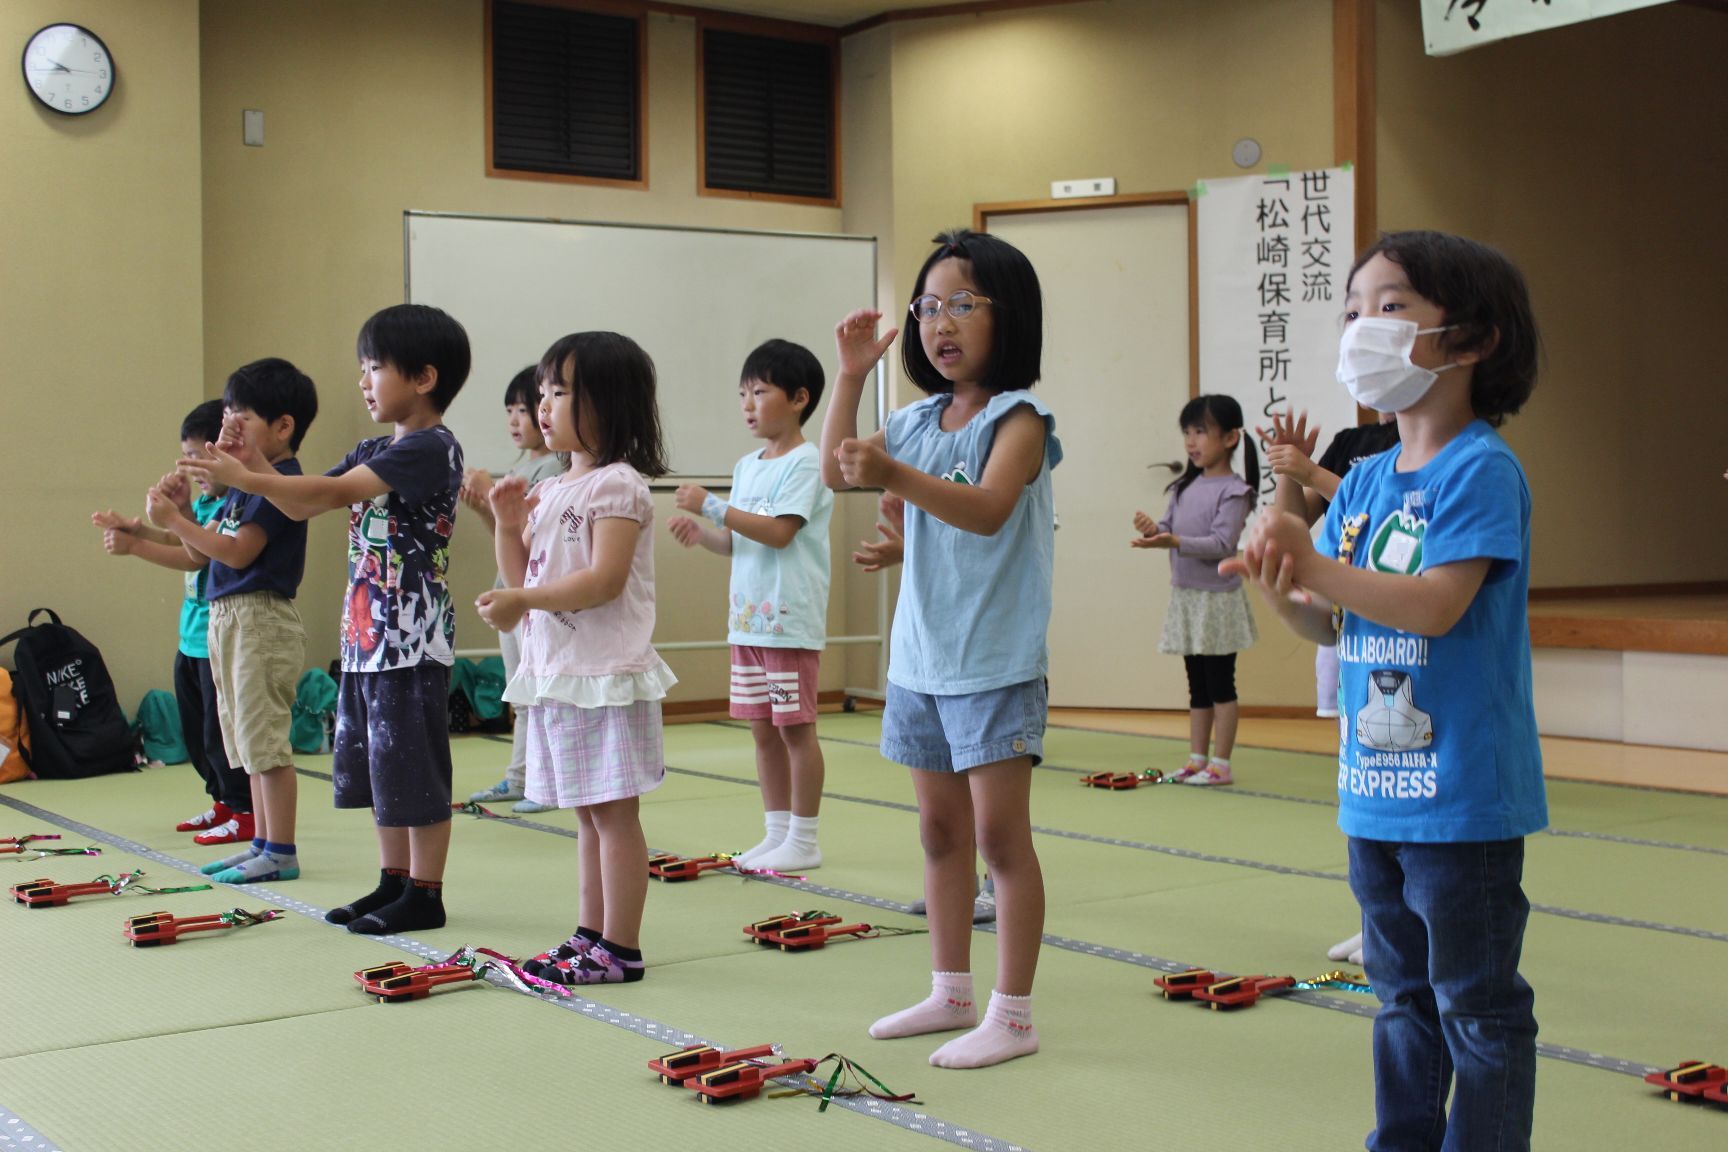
(1211, 680)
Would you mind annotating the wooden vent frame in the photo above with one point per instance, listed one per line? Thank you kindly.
(598, 9)
(797, 39)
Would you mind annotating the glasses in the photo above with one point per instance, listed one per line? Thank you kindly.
(960, 305)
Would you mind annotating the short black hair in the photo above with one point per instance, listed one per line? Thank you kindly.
(414, 337)
(1226, 413)
(204, 423)
(1002, 273)
(524, 388)
(273, 388)
(788, 367)
(1485, 301)
(617, 376)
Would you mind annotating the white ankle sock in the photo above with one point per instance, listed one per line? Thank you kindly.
(1007, 1032)
(949, 1006)
(796, 853)
(775, 825)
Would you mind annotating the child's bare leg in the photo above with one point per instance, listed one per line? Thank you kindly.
(945, 827)
(774, 776)
(260, 817)
(798, 849)
(623, 851)
(260, 833)
(590, 894)
(1224, 724)
(1199, 732)
(1001, 799)
(277, 792)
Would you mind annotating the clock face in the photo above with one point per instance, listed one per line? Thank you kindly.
(68, 69)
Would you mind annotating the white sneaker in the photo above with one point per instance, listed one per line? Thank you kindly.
(1345, 949)
(497, 794)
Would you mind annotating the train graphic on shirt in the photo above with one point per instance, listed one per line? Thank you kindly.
(1390, 721)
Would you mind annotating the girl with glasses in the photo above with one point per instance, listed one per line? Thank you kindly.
(967, 662)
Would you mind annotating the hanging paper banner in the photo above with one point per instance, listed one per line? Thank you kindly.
(1451, 26)
(1274, 253)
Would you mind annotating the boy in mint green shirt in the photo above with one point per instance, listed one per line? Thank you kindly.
(229, 817)
(775, 529)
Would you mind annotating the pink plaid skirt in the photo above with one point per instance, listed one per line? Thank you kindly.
(583, 756)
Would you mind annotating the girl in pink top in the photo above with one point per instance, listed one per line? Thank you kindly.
(577, 560)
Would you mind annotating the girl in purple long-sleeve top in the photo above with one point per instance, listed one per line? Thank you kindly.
(1208, 621)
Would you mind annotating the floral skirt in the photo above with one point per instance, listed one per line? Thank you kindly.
(1201, 623)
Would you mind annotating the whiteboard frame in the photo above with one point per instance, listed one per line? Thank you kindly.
(671, 480)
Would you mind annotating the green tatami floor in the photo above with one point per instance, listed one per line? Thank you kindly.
(260, 1038)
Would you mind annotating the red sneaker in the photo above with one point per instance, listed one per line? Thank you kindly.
(212, 817)
(238, 827)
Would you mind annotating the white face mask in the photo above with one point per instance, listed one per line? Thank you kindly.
(1374, 363)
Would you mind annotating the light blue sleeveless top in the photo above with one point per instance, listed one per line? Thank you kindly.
(973, 609)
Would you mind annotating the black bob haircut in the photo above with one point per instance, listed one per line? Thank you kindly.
(203, 425)
(788, 367)
(617, 377)
(1485, 299)
(414, 337)
(1002, 273)
(271, 389)
(524, 388)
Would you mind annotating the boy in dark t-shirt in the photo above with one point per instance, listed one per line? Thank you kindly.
(257, 642)
(392, 744)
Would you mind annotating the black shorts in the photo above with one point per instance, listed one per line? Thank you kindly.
(392, 745)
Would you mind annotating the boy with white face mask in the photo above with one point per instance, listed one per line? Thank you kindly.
(1420, 578)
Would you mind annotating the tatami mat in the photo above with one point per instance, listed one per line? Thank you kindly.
(106, 1047)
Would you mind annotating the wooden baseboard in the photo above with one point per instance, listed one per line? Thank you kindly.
(1688, 637)
(1618, 591)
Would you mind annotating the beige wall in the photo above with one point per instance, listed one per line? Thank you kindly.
(100, 322)
(1593, 155)
(163, 255)
(305, 234)
(993, 108)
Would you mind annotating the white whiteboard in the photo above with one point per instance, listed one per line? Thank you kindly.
(696, 300)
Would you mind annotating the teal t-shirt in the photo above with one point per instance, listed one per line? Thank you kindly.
(780, 595)
(195, 610)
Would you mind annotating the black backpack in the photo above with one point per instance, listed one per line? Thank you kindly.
(67, 699)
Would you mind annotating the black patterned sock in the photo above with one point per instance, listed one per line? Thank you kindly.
(390, 884)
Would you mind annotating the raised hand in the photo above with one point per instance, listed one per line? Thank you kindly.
(476, 486)
(117, 541)
(863, 464)
(502, 608)
(511, 502)
(159, 509)
(689, 497)
(113, 520)
(216, 466)
(1291, 430)
(1145, 525)
(685, 530)
(856, 341)
(875, 555)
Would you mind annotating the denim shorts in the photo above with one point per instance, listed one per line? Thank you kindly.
(954, 733)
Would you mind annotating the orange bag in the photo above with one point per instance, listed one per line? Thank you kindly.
(13, 733)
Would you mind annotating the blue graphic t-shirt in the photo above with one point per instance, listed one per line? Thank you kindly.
(1437, 735)
(779, 596)
(973, 609)
(397, 612)
(279, 567)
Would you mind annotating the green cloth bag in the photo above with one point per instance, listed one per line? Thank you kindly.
(482, 682)
(158, 725)
(314, 699)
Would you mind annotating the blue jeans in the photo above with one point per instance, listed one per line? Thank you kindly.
(1442, 929)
